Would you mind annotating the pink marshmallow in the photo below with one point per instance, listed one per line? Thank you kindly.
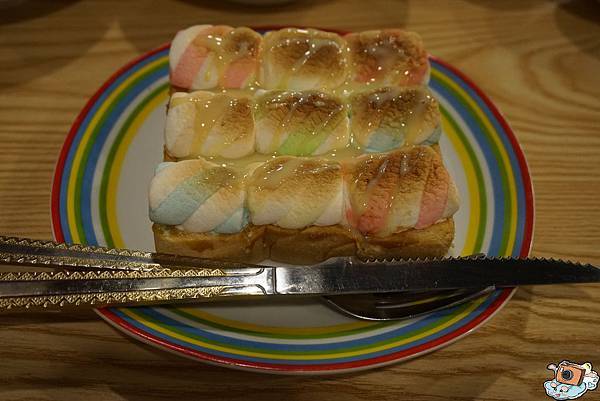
(434, 199)
(238, 72)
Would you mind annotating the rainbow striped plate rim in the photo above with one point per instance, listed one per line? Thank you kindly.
(480, 150)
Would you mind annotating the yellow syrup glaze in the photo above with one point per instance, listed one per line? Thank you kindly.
(414, 123)
(208, 113)
(392, 67)
(218, 42)
(313, 41)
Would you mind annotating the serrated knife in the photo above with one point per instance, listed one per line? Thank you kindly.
(93, 276)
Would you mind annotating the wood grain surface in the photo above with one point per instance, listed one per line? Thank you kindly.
(539, 61)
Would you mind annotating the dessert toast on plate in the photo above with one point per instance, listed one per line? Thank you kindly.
(301, 145)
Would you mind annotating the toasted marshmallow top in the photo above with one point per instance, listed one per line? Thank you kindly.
(300, 123)
(378, 194)
(235, 124)
(209, 124)
(387, 57)
(305, 93)
(217, 57)
(395, 191)
(387, 118)
(299, 59)
(208, 57)
(296, 192)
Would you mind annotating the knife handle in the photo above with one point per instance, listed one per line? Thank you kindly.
(57, 289)
(96, 276)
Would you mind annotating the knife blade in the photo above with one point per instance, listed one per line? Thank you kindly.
(349, 275)
(97, 276)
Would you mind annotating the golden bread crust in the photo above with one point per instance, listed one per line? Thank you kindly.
(247, 245)
(304, 246)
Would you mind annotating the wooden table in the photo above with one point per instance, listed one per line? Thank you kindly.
(538, 60)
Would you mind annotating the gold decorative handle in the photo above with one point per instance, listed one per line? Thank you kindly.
(106, 298)
(94, 288)
(96, 276)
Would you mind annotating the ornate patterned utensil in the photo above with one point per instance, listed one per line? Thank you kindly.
(102, 276)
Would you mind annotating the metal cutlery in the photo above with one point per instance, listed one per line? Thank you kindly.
(76, 275)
